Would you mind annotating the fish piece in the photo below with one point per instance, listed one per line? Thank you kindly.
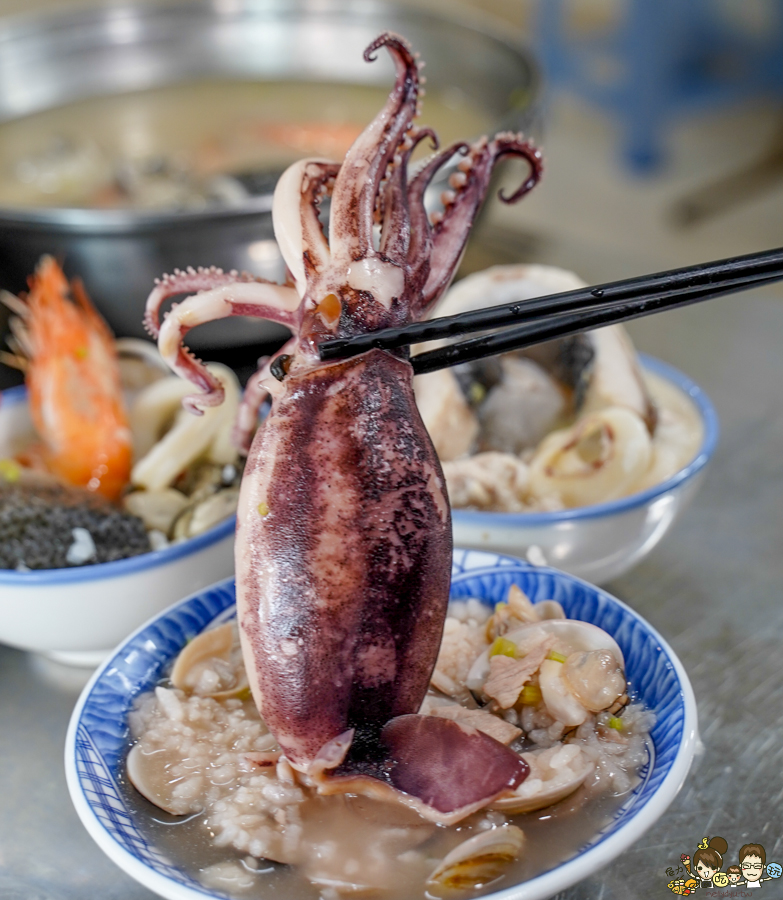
(480, 719)
(537, 402)
(507, 676)
(570, 636)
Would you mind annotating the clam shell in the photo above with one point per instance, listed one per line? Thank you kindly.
(571, 635)
(147, 773)
(216, 643)
(480, 859)
(528, 797)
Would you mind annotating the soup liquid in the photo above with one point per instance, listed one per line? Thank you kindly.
(69, 156)
(553, 836)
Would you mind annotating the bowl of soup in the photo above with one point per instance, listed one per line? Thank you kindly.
(142, 138)
(579, 454)
(233, 844)
(78, 572)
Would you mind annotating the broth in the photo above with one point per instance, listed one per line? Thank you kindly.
(179, 137)
(553, 836)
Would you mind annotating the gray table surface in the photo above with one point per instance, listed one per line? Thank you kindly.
(712, 588)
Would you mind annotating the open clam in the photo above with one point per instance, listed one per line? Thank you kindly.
(581, 673)
(205, 665)
(150, 774)
(555, 773)
(570, 636)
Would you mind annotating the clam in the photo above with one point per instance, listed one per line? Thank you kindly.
(149, 774)
(560, 702)
(204, 666)
(549, 609)
(375, 838)
(479, 860)
(570, 636)
(595, 678)
(554, 774)
(518, 610)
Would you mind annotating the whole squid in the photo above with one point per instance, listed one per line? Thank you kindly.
(343, 544)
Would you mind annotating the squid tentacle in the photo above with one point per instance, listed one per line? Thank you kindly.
(357, 184)
(259, 386)
(421, 231)
(295, 208)
(262, 300)
(470, 184)
(186, 283)
(396, 225)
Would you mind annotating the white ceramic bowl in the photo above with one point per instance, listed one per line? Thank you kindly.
(604, 541)
(77, 615)
(97, 740)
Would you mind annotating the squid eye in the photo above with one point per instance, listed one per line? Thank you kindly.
(280, 365)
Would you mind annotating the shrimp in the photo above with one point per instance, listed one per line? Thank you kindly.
(73, 383)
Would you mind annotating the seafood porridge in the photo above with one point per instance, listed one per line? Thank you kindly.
(551, 689)
(566, 424)
(343, 564)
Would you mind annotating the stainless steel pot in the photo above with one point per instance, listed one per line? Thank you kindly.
(52, 59)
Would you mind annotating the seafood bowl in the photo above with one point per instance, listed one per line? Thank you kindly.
(76, 615)
(603, 541)
(97, 740)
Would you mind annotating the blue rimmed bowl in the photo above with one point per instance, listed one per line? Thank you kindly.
(603, 541)
(76, 615)
(97, 740)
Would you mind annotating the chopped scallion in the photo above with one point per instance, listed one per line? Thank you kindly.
(503, 647)
(531, 695)
(10, 470)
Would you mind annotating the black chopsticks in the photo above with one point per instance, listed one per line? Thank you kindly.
(559, 315)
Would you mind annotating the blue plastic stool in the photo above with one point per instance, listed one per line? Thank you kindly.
(663, 59)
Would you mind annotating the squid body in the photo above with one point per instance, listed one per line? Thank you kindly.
(343, 545)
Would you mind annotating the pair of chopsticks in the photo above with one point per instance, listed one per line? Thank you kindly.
(560, 315)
